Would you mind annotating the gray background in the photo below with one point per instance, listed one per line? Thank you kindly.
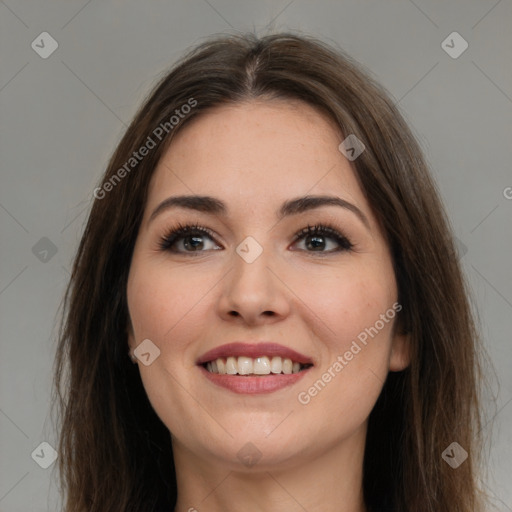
(63, 115)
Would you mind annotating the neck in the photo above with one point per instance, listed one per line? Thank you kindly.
(328, 482)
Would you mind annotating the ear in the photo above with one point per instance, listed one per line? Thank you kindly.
(400, 357)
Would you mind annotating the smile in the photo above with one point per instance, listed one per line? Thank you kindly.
(246, 366)
(253, 368)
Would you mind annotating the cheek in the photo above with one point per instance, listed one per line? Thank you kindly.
(348, 301)
(357, 344)
(162, 301)
(165, 307)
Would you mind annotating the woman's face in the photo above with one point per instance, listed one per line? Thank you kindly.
(329, 296)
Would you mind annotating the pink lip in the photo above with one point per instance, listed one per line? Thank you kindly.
(248, 384)
(253, 350)
(253, 385)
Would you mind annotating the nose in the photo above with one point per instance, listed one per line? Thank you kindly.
(252, 293)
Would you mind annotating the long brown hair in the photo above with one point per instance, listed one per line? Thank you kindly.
(115, 453)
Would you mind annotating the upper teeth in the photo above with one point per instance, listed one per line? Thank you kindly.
(257, 366)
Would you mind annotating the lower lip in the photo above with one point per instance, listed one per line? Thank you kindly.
(253, 385)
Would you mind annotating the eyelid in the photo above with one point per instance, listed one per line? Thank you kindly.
(322, 229)
(326, 229)
(179, 230)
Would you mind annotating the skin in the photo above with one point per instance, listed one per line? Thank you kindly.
(254, 156)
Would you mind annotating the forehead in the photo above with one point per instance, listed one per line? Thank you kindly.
(256, 153)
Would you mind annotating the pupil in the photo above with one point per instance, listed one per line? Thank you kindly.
(196, 242)
(317, 242)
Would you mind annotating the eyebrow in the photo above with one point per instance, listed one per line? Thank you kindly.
(212, 205)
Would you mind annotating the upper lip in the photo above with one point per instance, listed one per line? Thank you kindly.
(254, 350)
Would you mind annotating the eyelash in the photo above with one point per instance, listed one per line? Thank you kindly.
(180, 231)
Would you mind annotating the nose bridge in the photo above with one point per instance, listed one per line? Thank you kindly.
(250, 272)
(251, 289)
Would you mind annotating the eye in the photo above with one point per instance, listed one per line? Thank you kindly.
(317, 239)
(195, 239)
(188, 238)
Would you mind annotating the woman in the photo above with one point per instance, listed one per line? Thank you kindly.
(269, 248)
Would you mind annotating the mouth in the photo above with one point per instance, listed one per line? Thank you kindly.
(259, 366)
(254, 368)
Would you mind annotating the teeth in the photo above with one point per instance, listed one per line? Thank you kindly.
(231, 366)
(244, 365)
(276, 365)
(259, 366)
(221, 366)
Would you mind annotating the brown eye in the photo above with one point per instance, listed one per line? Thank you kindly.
(188, 238)
(317, 238)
